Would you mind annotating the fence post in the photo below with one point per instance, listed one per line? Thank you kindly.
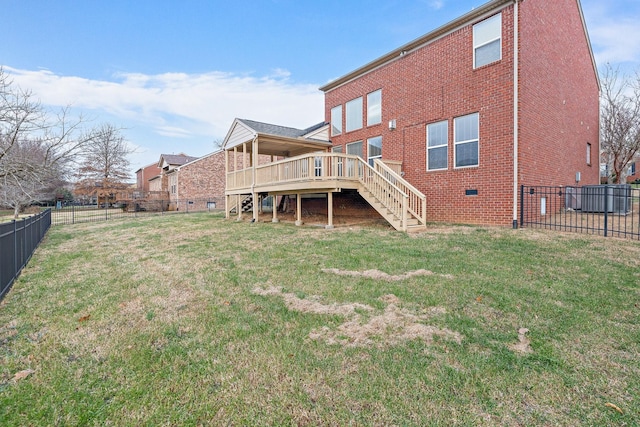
(521, 206)
(606, 209)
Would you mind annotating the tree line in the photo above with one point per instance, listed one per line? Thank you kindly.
(42, 152)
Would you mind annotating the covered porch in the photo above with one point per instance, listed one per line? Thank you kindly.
(264, 164)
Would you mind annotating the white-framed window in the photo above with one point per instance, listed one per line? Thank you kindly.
(374, 107)
(353, 148)
(437, 145)
(374, 149)
(589, 153)
(354, 114)
(466, 141)
(487, 41)
(338, 149)
(336, 120)
(632, 169)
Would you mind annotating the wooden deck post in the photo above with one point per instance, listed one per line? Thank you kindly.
(274, 208)
(329, 226)
(298, 210)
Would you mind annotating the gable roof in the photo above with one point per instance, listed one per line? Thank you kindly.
(175, 159)
(275, 139)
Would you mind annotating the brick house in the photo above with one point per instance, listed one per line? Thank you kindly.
(505, 95)
(448, 126)
(201, 181)
(144, 174)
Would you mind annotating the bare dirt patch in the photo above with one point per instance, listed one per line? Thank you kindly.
(381, 275)
(523, 345)
(391, 327)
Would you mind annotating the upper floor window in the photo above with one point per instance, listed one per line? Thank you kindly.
(374, 107)
(437, 145)
(589, 153)
(487, 41)
(466, 140)
(354, 114)
(336, 120)
(374, 149)
(632, 169)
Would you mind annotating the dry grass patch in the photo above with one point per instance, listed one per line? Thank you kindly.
(381, 275)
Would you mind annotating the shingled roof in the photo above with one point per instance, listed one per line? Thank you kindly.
(269, 129)
(177, 159)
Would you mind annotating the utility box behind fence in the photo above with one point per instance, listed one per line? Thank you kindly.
(606, 198)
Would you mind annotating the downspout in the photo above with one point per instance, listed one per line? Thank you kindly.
(515, 113)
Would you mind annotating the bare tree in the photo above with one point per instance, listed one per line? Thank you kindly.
(104, 168)
(619, 122)
(35, 147)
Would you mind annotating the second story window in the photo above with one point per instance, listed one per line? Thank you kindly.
(374, 108)
(487, 41)
(354, 114)
(336, 120)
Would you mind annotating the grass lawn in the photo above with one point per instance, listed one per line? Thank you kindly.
(195, 320)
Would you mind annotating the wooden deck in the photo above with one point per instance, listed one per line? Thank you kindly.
(403, 206)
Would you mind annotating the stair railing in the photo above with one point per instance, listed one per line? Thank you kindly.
(417, 200)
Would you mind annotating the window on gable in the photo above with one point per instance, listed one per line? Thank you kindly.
(374, 107)
(336, 120)
(374, 149)
(487, 41)
(466, 140)
(354, 114)
(437, 145)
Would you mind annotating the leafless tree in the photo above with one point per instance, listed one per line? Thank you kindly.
(104, 169)
(619, 122)
(35, 146)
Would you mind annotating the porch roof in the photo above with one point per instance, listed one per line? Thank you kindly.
(273, 139)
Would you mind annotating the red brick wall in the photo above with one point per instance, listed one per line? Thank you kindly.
(143, 175)
(559, 96)
(203, 179)
(437, 82)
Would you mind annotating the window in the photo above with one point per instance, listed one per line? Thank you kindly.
(466, 141)
(338, 149)
(374, 107)
(589, 154)
(487, 41)
(336, 120)
(437, 145)
(374, 149)
(355, 148)
(632, 169)
(354, 114)
(352, 165)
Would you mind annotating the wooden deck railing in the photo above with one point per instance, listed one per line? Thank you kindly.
(417, 200)
(387, 187)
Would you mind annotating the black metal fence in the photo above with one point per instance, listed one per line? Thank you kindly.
(18, 240)
(77, 213)
(607, 210)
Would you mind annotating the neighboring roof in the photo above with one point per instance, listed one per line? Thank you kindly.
(476, 14)
(176, 159)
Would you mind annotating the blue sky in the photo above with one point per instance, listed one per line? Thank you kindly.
(176, 73)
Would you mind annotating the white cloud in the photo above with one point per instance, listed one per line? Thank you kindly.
(185, 107)
(436, 4)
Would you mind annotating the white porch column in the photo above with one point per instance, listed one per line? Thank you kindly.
(298, 210)
(329, 226)
(275, 208)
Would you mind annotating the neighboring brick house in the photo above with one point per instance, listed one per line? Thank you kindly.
(202, 180)
(145, 174)
(168, 177)
(506, 95)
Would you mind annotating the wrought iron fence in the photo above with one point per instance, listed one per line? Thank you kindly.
(75, 213)
(18, 240)
(607, 210)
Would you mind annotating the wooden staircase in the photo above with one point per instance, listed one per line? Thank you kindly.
(397, 201)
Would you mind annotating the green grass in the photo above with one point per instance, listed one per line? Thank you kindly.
(195, 320)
